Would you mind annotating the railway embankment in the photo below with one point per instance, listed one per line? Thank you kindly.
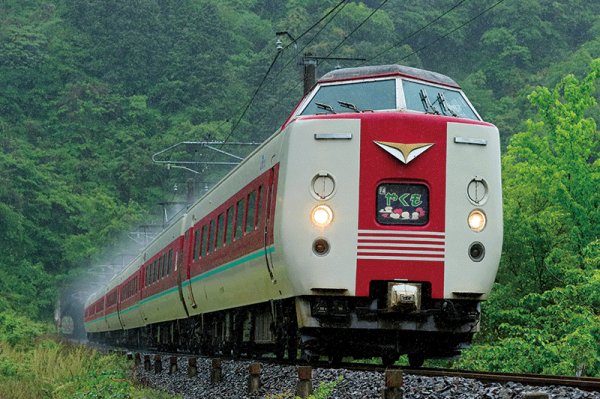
(265, 379)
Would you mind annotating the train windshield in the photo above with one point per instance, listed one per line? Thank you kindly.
(353, 97)
(436, 100)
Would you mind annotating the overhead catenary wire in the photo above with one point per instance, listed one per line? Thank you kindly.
(357, 28)
(453, 30)
(339, 6)
(378, 55)
(237, 122)
(401, 41)
(339, 44)
(427, 25)
(343, 4)
(318, 22)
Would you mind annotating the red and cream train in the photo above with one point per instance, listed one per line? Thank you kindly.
(369, 225)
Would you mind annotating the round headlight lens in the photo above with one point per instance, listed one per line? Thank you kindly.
(321, 247)
(322, 215)
(477, 220)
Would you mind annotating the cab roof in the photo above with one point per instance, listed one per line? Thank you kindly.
(382, 70)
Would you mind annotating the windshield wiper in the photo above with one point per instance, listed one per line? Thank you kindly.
(429, 108)
(441, 99)
(353, 107)
(349, 106)
(325, 107)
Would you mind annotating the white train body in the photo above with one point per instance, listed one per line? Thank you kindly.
(378, 228)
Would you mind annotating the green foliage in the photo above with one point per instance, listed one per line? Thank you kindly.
(19, 331)
(91, 89)
(544, 315)
(50, 369)
(323, 391)
(551, 180)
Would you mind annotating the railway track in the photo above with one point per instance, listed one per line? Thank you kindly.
(583, 383)
(589, 384)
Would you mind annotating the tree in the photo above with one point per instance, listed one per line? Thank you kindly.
(544, 314)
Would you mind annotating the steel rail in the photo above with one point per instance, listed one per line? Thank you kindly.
(590, 384)
(583, 383)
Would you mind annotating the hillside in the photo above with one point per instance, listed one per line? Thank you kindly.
(89, 90)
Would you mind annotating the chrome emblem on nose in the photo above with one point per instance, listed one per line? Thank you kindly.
(404, 152)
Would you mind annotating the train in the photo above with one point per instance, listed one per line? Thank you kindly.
(368, 225)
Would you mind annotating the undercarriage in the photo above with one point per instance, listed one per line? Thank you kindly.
(315, 326)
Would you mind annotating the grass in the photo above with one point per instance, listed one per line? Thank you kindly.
(321, 392)
(58, 370)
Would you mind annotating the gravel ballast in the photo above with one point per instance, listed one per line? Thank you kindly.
(279, 382)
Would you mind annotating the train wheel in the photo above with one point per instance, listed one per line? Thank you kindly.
(309, 357)
(279, 350)
(334, 359)
(388, 359)
(416, 360)
(292, 348)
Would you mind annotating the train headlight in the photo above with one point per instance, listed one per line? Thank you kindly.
(322, 216)
(321, 247)
(477, 220)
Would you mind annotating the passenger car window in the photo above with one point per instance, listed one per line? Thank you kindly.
(239, 225)
(251, 212)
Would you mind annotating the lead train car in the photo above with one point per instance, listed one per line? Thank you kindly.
(369, 225)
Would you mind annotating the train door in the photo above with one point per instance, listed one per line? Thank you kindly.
(269, 212)
(119, 306)
(184, 266)
(143, 291)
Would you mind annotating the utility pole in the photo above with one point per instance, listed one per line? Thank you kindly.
(310, 72)
(310, 63)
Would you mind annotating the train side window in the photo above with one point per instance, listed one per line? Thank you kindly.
(251, 213)
(165, 264)
(229, 232)
(220, 230)
(204, 241)
(239, 224)
(259, 204)
(160, 267)
(211, 236)
(170, 264)
(197, 245)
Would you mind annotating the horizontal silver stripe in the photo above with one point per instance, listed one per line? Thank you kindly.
(394, 245)
(408, 232)
(333, 136)
(395, 251)
(371, 238)
(400, 258)
(470, 140)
